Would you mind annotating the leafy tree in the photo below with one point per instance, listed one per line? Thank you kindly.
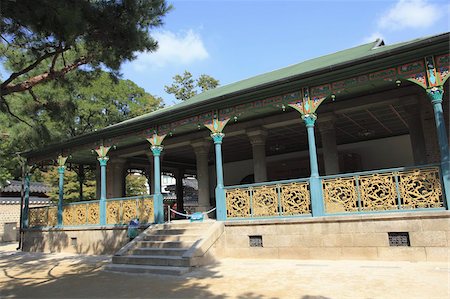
(45, 40)
(66, 109)
(185, 87)
(135, 184)
(71, 185)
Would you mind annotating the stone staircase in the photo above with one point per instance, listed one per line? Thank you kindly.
(170, 249)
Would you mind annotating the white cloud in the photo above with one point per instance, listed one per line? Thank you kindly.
(173, 49)
(410, 14)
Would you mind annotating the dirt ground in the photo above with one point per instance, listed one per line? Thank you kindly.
(37, 275)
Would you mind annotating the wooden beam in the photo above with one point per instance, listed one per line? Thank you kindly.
(376, 119)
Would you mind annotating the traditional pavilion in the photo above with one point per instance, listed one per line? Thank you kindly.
(357, 132)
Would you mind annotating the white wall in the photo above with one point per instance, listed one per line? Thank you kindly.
(382, 153)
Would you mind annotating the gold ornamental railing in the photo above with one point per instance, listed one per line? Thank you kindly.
(386, 190)
(122, 210)
(282, 198)
(118, 211)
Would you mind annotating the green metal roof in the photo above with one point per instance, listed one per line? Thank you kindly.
(310, 68)
(326, 61)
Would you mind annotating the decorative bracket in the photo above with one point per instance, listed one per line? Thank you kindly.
(217, 126)
(156, 143)
(61, 163)
(156, 140)
(307, 106)
(434, 74)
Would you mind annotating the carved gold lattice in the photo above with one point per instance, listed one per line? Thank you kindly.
(146, 210)
(52, 216)
(421, 189)
(340, 195)
(37, 217)
(112, 212)
(295, 199)
(238, 203)
(265, 201)
(129, 210)
(68, 215)
(93, 213)
(378, 192)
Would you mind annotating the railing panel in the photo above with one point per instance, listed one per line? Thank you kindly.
(384, 191)
(265, 201)
(340, 195)
(146, 210)
(238, 203)
(421, 189)
(38, 216)
(274, 199)
(378, 192)
(122, 210)
(295, 199)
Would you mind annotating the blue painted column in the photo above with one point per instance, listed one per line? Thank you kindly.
(61, 170)
(220, 192)
(103, 161)
(317, 208)
(436, 95)
(26, 197)
(158, 206)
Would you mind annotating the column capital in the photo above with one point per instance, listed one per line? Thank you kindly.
(217, 137)
(257, 136)
(103, 160)
(157, 149)
(61, 169)
(309, 119)
(435, 94)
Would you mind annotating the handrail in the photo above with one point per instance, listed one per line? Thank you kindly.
(267, 183)
(81, 202)
(369, 172)
(131, 197)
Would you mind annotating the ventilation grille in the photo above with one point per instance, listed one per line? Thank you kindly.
(255, 241)
(399, 239)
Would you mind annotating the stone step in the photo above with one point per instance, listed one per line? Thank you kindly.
(163, 244)
(176, 231)
(162, 270)
(191, 238)
(184, 225)
(159, 251)
(151, 260)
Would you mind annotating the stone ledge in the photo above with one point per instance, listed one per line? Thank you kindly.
(343, 218)
(81, 228)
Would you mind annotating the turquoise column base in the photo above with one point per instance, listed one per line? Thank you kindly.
(102, 205)
(158, 208)
(317, 206)
(221, 209)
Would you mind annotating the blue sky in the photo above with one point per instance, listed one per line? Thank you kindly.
(234, 40)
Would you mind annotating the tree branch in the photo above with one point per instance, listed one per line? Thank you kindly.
(4, 103)
(35, 98)
(44, 77)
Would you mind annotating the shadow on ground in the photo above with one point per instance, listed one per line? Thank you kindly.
(39, 275)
